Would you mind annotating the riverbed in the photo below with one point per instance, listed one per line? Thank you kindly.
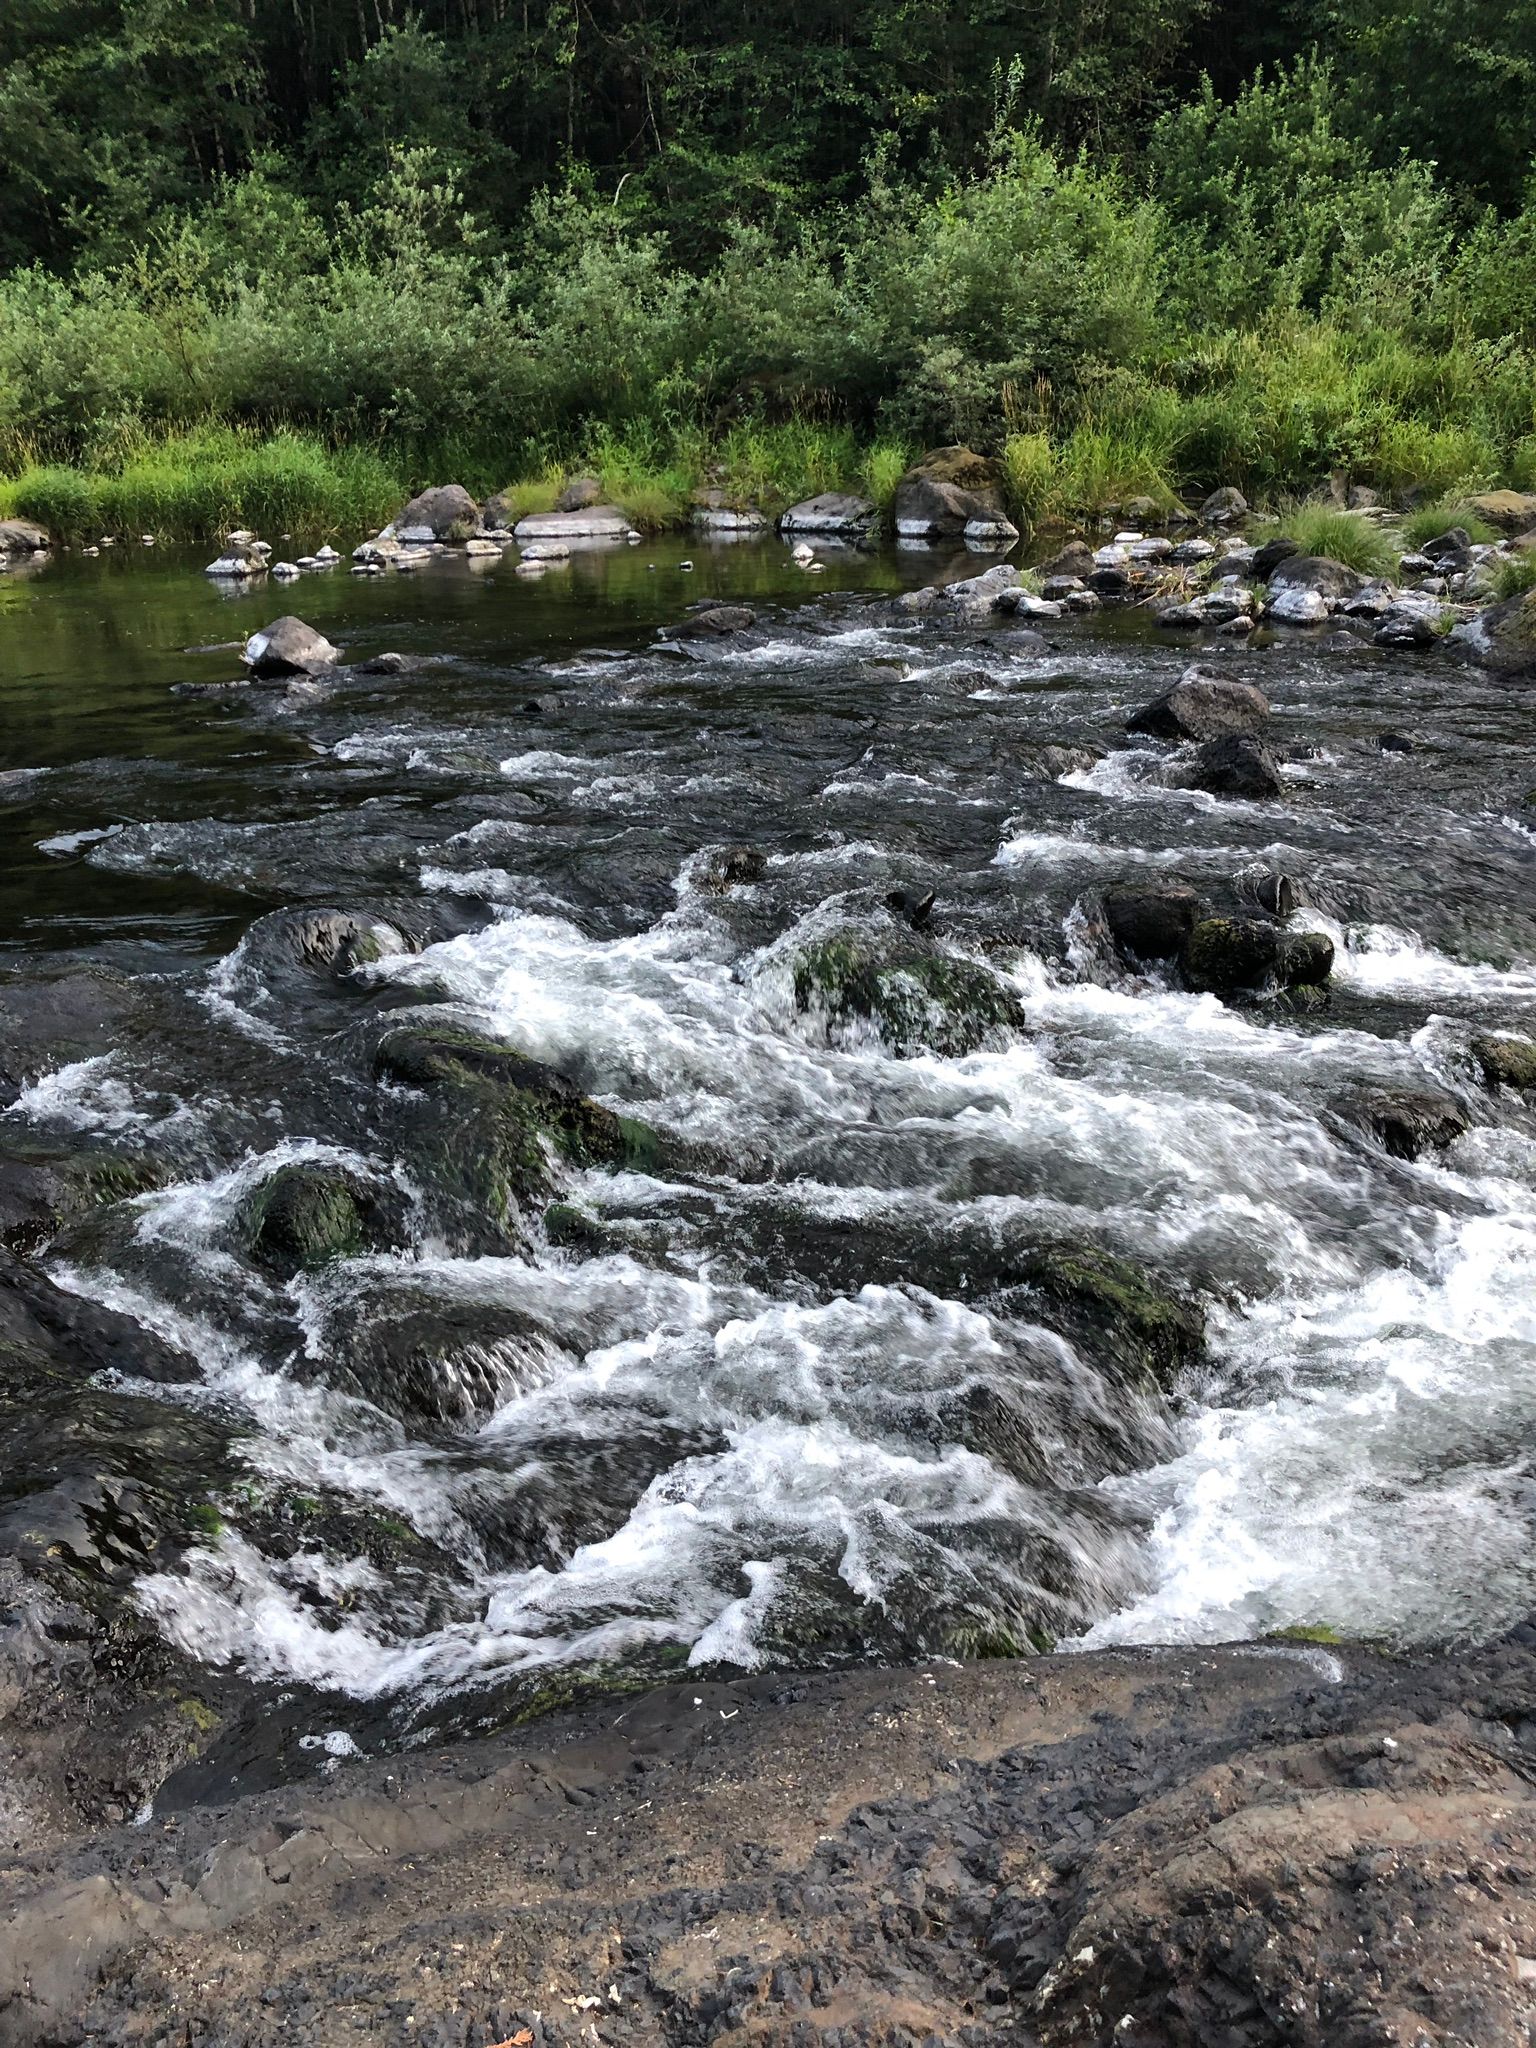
(781, 1395)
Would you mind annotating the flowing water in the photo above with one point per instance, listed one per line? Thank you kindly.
(784, 1399)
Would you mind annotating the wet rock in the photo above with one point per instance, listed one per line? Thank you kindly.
(499, 1123)
(1506, 1062)
(597, 522)
(718, 621)
(1502, 638)
(914, 906)
(1202, 705)
(305, 1215)
(1395, 743)
(918, 1000)
(952, 491)
(1321, 573)
(46, 1184)
(1228, 955)
(1152, 922)
(288, 648)
(1402, 628)
(1117, 1310)
(446, 513)
(1406, 1121)
(832, 512)
(729, 867)
(336, 941)
(1110, 580)
(236, 567)
(1056, 588)
(1447, 546)
(1237, 765)
(1188, 552)
(383, 665)
(1224, 507)
(975, 597)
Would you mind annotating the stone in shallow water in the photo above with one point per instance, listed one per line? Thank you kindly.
(1202, 705)
(288, 647)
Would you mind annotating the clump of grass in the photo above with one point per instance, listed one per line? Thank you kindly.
(1030, 478)
(194, 485)
(1430, 521)
(1343, 536)
(1511, 576)
(1409, 455)
(1105, 466)
(772, 466)
(883, 467)
(532, 494)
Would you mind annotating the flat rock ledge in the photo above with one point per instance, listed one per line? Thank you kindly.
(1196, 1848)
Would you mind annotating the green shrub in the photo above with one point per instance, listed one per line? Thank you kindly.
(1343, 536)
(1512, 576)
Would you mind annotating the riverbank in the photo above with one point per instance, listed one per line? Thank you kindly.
(197, 486)
(1234, 1848)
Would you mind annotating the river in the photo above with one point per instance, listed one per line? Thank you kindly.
(783, 1397)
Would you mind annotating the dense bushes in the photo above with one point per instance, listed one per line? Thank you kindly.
(1259, 303)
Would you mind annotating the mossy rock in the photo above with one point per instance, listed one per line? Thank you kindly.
(510, 1120)
(1506, 1062)
(1234, 955)
(304, 1215)
(1151, 1332)
(933, 1002)
(42, 1188)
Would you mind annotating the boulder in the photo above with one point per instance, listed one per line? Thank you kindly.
(728, 867)
(1268, 557)
(1502, 638)
(597, 522)
(580, 495)
(1509, 511)
(1152, 922)
(715, 621)
(952, 491)
(1236, 765)
(1399, 627)
(832, 512)
(1506, 1062)
(729, 519)
(288, 648)
(1315, 572)
(1075, 559)
(1202, 705)
(1292, 604)
(1226, 955)
(974, 597)
(22, 537)
(1224, 507)
(1454, 542)
(917, 998)
(305, 1215)
(236, 568)
(446, 512)
(1405, 1121)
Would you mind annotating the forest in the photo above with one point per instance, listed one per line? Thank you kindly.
(285, 258)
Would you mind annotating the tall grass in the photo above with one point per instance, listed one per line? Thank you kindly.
(195, 485)
(1343, 536)
(1512, 577)
(1428, 522)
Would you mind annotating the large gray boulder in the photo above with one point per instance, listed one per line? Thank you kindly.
(1502, 638)
(1330, 579)
(1510, 511)
(832, 512)
(1202, 705)
(446, 512)
(22, 537)
(288, 648)
(952, 492)
(597, 522)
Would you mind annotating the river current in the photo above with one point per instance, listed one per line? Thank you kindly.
(773, 1407)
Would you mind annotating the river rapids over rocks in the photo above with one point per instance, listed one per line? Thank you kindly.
(640, 1154)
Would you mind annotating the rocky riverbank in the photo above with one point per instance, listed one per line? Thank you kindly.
(1237, 1848)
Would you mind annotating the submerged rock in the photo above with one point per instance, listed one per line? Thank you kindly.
(1202, 705)
(288, 647)
(919, 1000)
(727, 867)
(718, 621)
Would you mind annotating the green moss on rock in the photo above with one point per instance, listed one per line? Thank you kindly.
(1506, 1062)
(935, 1002)
(303, 1216)
(1151, 1332)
